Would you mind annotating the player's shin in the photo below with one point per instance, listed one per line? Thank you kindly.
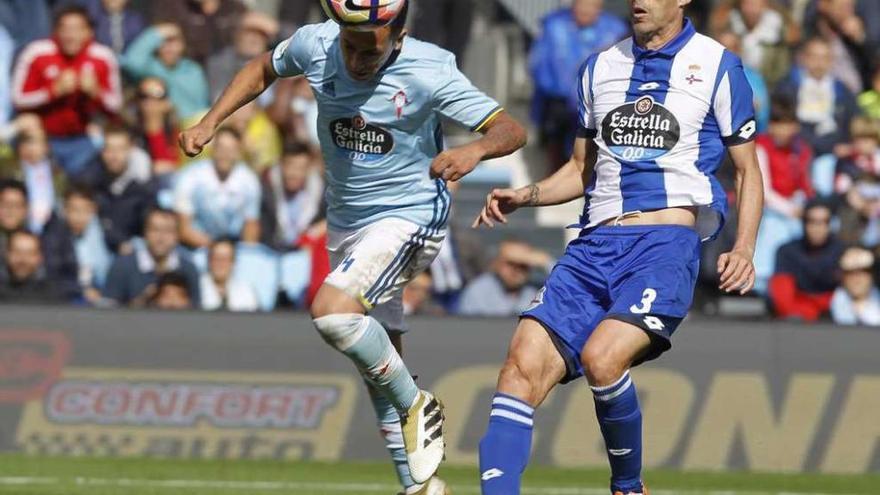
(505, 449)
(389, 427)
(620, 419)
(366, 343)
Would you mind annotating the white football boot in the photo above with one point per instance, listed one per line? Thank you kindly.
(422, 429)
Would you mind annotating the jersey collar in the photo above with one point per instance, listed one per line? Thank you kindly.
(671, 48)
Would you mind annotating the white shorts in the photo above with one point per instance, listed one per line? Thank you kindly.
(374, 263)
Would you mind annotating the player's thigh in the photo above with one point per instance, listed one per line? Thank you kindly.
(371, 265)
(612, 349)
(533, 365)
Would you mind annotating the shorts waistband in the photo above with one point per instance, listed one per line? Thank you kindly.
(609, 230)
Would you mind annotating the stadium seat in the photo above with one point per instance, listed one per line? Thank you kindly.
(296, 269)
(259, 266)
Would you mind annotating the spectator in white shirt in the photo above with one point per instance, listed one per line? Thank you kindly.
(857, 300)
(220, 289)
(218, 197)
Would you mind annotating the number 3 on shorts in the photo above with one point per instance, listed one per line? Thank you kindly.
(648, 298)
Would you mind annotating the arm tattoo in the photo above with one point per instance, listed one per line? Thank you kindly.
(534, 192)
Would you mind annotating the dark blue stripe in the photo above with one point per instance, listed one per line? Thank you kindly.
(416, 244)
(641, 182)
(374, 11)
(485, 117)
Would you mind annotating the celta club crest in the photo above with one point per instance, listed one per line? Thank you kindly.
(358, 122)
(644, 105)
(400, 101)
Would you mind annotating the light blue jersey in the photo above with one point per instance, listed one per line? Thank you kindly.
(379, 137)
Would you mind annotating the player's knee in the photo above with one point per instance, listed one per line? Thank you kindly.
(517, 380)
(601, 366)
(329, 301)
(340, 330)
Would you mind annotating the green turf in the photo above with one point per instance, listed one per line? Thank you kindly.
(58, 476)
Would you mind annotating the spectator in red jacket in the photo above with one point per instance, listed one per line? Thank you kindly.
(785, 159)
(806, 269)
(68, 80)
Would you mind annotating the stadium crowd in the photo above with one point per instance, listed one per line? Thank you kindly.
(99, 207)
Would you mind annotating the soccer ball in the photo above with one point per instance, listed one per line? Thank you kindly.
(366, 14)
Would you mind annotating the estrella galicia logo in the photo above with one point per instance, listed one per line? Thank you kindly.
(361, 140)
(640, 130)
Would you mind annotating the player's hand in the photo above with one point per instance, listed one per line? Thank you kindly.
(193, 140)
(737, 271)
(499, 204)
(455, 163)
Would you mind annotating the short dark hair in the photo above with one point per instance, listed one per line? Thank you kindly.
(399, 22)
(79, 190)
(295, 149)
(819, 203)
(72, 9)
(174, 279)
(159, 211)
(15, 185)
(222, 240)
(783, 109)
(118, 129)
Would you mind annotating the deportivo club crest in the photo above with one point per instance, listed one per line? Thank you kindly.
(644, 105)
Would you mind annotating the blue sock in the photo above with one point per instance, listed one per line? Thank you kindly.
(620, 418)
(505, 449)
(389, 427)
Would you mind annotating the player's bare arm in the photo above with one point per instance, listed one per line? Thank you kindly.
(249, 83)
(563, 186)
(501, 136)
(735, 267)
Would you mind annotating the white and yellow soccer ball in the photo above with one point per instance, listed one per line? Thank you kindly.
(364, 14)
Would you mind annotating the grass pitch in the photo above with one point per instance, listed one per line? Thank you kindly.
(21, 475)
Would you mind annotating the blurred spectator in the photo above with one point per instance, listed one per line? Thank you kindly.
(858, 180)
(852, 30)
(220, 289)
(116, 25)
(291, 199)
(568, 37)
(295, 111)
(869, 101)
(23, 124)
(417, 297)
(25, 279)
(218, 197)
(733, 43)
(825, 106)
(805, 268)
(13, 210)
(157, 119)
(766, 33)
(159, 52)
(40, 179)
(172, 293)
(262, 143)
(26, 20)
(784, 158)
(252, 38)
(857, 300)
(207, 24)
(120, 180)
(132, 278)
(446, 23)
(92, 256)
(68, 80)
(505, 290)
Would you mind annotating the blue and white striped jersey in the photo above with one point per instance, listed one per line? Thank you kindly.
(661, 120)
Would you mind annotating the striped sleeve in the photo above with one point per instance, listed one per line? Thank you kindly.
(734, 102)
(586, 123)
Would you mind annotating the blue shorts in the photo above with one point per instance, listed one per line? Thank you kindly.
(641, 274)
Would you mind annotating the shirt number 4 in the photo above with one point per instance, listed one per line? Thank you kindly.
(648, 298)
